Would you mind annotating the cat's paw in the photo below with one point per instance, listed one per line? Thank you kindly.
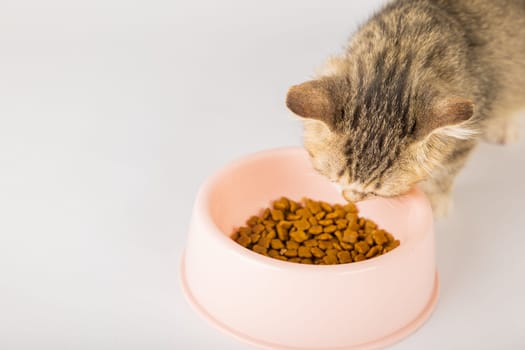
(503, 132)
(441, 205)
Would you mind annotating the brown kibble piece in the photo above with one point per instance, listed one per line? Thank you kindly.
(315, 230)
(372, 252)
(391, 246)
(312, 220)
(304, 252)
(326, 222)
(302, 225)
(349, 236)
(330, 229)
(326, 207)
(269, 225)
(266, 214)
(320, 215)
(254, 220)
(359, 257)
(362, 247)
(264, 242)
(292, 245)
(370, 225)
(277, 244)
(351, 217)
(325, 245)
(282, 230)
(344, 257)
(258, 249)
(379, 237)
(273, 253)
(295, 260)
(284, 225)
(331, 252)
(258, 228)
(291, 253)
(244, 240)
(330, 259)
(332, 215)
(271, 234)
(277, 215)
(282, 204)
(346, 246)
(350, 207)
(389, 237)
(245, 231)
(324, 237)
(303, 212)
(298, 236)
(313, 206)
(354, 227)
(254, 237)
(318, 253)
(310, 243)
(341, 224)
(293, 205)
(292, 217)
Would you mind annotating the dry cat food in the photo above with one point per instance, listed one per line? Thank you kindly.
(314, 232)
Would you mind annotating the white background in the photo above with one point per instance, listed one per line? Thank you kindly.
(112, 114)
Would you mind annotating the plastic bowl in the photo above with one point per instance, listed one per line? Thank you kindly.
(274, 304)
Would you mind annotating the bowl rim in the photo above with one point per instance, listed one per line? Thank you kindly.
(202, 206)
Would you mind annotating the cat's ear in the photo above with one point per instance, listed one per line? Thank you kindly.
(448, 116)
(312, 99)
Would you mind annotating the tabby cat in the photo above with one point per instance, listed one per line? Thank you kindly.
(416, 89)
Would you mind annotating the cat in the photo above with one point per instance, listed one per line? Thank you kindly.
(418, 86)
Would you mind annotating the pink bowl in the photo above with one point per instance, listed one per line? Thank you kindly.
(280, 305)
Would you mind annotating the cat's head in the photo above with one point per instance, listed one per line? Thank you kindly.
(377, 140)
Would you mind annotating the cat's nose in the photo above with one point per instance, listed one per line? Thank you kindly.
(353, 196)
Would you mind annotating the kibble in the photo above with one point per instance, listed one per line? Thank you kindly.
(304, 252)
(298, 236)
(314, 232)
(277, 244)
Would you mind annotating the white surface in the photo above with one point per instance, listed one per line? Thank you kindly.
(112, 113)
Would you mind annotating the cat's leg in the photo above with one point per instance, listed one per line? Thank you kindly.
(503, 130)
(439, 186)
